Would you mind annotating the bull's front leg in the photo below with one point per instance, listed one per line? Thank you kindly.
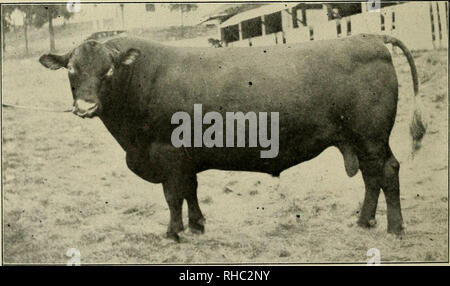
(178, 187)
(174, 197)
(179, 180)
(196, 219)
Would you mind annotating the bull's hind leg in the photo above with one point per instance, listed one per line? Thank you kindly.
(370, 163)
(369, 208)
(391, 188)
(380, 170)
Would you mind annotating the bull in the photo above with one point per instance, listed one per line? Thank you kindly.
(340, 93)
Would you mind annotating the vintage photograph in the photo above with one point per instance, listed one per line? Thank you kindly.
(294, 132)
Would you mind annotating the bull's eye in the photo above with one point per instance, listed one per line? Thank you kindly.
(110, 72)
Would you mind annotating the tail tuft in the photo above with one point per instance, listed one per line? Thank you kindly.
(417, 129)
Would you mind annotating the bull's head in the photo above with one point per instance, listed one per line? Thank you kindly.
(91, 68)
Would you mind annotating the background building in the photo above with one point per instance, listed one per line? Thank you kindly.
(420, 25)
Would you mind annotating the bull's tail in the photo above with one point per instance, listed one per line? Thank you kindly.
(417, 127)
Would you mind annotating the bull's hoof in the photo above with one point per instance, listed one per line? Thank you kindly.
(398, 231)
(367, 223)
(174, 236)
(197, 227)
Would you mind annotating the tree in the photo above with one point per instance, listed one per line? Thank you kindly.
(45, 14)
(36, 15)
(28, 15)
(183, 8)
(123, 15)
(5, 24)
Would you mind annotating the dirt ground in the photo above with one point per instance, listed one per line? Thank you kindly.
(66, 185)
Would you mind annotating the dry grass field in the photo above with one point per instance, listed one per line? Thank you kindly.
(65, 185)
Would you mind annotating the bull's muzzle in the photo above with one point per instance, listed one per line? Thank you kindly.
(84, 108)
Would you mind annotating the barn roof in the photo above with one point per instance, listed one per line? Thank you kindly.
(257, 12)
(225, 11)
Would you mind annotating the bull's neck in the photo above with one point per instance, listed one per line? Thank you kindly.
(121, 127)
(127, 114)
(122, 115)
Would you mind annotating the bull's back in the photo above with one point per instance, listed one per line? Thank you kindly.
(323, 78)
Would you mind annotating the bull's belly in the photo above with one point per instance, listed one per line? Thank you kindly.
(161, 160)
(158, 160)
(249, 159)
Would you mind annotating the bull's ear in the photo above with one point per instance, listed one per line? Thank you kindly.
(54, 62)
(129, 57)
